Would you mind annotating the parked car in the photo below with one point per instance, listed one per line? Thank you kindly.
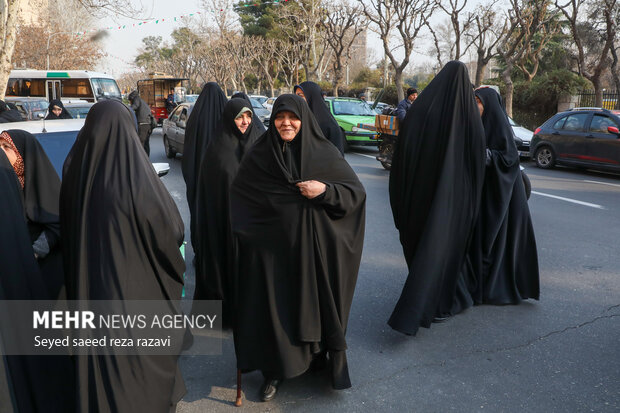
(260, 111)
(78, 109)
(260, 98)
(173, 129)
(191, 98)
(58, 136)
(585, 137)
(30, 108)
(268, 104)
(349, 113)
(524, 138)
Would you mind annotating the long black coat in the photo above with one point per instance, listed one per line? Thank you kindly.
(41, 198)
(215, 271)
(36, 383)
(121, 237)
(298, 258)
(503, 254)
(435, 188)
(201, 126)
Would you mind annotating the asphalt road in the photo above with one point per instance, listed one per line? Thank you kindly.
(560, 354)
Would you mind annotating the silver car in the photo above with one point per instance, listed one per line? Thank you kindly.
(173, 129)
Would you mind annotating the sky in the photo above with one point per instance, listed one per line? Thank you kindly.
(122, 45)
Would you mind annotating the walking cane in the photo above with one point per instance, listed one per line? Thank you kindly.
(238, 402)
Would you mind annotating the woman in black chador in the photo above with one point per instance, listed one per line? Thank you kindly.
(36, 383)
(215, 273)
(258, 125)
(121, 237)
(297, 210)
(503, 253)
(200, 129)
(330, 128)
(41, 191)
(435, 187)
(56, 110)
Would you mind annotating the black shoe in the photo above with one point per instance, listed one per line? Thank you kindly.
(440, 319)
(319, 362)
(269, 389)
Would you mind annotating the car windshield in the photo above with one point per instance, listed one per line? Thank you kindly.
(109, 88)
(352, 107)
(256, 103)
(512, 122)
(191, 98)
(261, 100)
(78, 112)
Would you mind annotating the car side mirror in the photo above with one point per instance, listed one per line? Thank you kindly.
(614, 130)
(99, 92)
(41, 115)
(162, 168)
(181, 124)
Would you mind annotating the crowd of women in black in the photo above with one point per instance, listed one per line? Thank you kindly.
(277, 226)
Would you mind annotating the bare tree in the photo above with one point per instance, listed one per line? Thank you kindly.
(342, 25)
(267, 60)
(302, 21)
(525, 19)
(217, 63)
(9, 12)
(407, 17)
(484, 35)
(289, 54)
(458, 27)
(602, 20)
(222, 14)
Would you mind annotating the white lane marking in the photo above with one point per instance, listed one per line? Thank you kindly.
(574, 201)
(368, 156)
(602, 183)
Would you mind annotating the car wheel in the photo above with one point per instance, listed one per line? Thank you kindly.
(527, 184)
(544, 157)
(170, 151)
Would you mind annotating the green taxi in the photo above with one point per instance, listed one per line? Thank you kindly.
(350, 113)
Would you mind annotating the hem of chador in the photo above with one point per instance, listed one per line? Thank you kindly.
(508, 302)
(293, 375)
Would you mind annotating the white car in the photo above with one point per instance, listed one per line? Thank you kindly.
(268, 104)
(525, 135)
(57, 137)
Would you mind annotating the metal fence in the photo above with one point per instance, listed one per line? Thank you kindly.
(611, 99)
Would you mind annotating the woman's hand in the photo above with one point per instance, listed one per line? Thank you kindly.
(311, 189)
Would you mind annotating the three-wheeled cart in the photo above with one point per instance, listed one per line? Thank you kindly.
(155, 90)
(387, 128)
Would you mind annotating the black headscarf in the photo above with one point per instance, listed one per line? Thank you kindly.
(121, 237)
(200, 129)
(258, 125)
(298, 257)
(330, 128)
(41, 197)
(51, 115)
(37, 383)
(503, 254)
(435, 186)
(7, 115)
(215, 272)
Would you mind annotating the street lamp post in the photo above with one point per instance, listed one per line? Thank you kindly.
(48, 46)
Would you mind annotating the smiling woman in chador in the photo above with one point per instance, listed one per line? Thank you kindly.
(298, 211)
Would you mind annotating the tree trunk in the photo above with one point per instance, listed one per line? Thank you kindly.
(615, 71)
(598, 91)
(398, 80)
(481, 66)
(9, 12)
(506, 76)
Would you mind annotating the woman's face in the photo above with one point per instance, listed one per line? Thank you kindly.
(287, 124)
(56, 110)
(243, 121)
(300, 93)
(480, 106)
(8, 149)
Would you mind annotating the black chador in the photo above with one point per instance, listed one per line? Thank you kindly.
(215, 272)
(435, 187)
(330, 128)
(57, 103)
(503, 254)
(298, 257)
(35, 383)
(121, 237)
(41, 191)
(200, 129)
